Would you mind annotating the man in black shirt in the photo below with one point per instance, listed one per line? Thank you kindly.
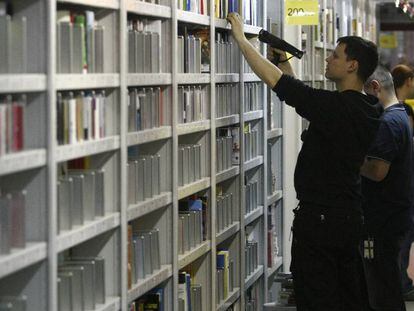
(343, 124)
(387, 188)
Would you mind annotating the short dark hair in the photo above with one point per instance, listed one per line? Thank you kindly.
(400, 74)
(364, 52)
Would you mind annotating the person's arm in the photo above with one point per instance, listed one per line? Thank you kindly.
(375, 169)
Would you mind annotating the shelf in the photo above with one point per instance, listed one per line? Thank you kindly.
(149, 206)
(87, 148)
(274, 133)
(271, 271)
(253, 115)
(330, 46)
(227, 78)
(112, 304)
(227, 174)
(193, 18)
(88, 231)
(148, 79)
(194, 187)
(149, 283)
(230, 300)
(222, 23)
(274, 197)
(252, 278)
(253, 163)
(106, 4)
(193, 78)
(227, 233)
(22, 161)
(277, 307)
(251, 77)
(18, 83)
(193, 127)
(142, 137)
(307, 78)
(318, 44)
(319, 78)
(227, 121)
(20, 258)
(86, 81)
(252, 30)
(187, 258)
(253, 215)
(148, 9)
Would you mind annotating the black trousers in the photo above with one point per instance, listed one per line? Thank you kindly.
(325, 259)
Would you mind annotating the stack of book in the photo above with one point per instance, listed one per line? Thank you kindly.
(81, 197)
(147, 108)
(154, 300)
(189, 164)
(81, 116)
(287, 295)
(251, 12)
(192, 223)
(227, 54)
(192, 103)
(11, 303)
(13, 48)
(195, 6)
(144, 46)
(272, 238)
(252, 95)
(12, 124)
(12, 221)
(251, 257)
(251, 139)
(143, 254)
(225, 215)
(144, 178)
(271, 169)
(227, 150)
(81, 283)
(251, 191)
(227, 100)
(80, 43)
(193, 51)
(223, 7)
(224, 275)
(189, 294)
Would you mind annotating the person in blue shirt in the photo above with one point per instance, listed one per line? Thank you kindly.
(387, 188)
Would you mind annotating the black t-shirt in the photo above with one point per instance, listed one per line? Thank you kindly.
(342, 127)
(387, 203)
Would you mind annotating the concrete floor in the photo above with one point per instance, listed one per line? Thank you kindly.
(410, 306)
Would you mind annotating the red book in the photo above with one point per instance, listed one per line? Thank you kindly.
(17, 112)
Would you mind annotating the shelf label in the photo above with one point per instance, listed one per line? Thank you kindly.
(388, 41)
(302, 12)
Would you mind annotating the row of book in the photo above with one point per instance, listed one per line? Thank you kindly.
(154, 301)
(143, 254)
(81, 197)
(247, 68)
(223, 7)
(227, 54)
(251, 191)
(81, 283)
(224, 153)
(252, 96)
(12, 221)
(144, 46)
(13, 48)
(272, 236)
(195, 6)
(192, 103)
(147, 108)
(251, 257)
(192, 223)
(80, 117)
(227, 100)
(12, 110)
(253, 298)
(13, 303)
(189, 164)
(189, 293)
(80, 43)
(224, 211)
(252, 12)
(224, 275)
(272, 166)
(144, 178)
(251, 140)
(189, 54)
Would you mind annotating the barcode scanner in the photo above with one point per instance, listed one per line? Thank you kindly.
(275, 42)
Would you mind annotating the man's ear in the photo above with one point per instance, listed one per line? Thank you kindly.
(376, 86)
(353, 66)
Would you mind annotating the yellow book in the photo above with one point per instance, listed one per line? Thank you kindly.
(226, 256)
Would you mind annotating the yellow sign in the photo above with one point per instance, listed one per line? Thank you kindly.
(302, 12)
(388, 41)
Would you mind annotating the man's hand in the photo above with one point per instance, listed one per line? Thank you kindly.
(236, 26)
(410, 269)
(273, 53)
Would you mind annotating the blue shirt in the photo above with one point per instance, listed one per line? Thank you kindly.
(387, 203)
